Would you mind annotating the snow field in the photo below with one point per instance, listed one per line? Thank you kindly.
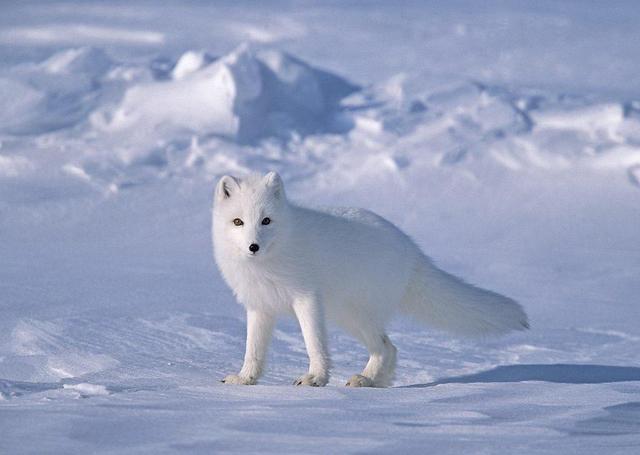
(506, 142)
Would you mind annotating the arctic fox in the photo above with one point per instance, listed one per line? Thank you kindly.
(345, 265)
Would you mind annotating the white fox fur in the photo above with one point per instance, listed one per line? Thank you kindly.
(346, 265)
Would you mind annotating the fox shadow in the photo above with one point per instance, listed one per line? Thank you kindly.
(558, 373)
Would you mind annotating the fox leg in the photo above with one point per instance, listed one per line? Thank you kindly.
(310, 316)
(380, 368)
(259, 329)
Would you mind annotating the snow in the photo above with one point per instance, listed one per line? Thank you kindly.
(86, 390)
(243, 95)
(504, 138)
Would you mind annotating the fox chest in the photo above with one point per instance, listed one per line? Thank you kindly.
(265, 288)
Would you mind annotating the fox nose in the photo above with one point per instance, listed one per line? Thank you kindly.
(254, 247)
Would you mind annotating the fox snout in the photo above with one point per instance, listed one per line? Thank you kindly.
(254, 247)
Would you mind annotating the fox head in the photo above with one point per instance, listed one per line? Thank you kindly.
(250, 215)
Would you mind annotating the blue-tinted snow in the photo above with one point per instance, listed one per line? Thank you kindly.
(503, 137)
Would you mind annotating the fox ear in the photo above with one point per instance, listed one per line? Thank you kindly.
(227, 185)
(272, 180)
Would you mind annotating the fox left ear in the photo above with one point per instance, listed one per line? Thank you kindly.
(272, 180)
(226, 187)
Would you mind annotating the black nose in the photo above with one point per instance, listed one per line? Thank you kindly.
(254, 247)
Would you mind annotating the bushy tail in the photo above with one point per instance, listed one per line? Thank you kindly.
(446, 302)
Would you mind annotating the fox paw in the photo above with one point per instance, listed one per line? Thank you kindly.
(236, 379)
(312, 380)
(357, 380)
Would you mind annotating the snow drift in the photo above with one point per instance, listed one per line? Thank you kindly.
(57, 93)
(244, 95)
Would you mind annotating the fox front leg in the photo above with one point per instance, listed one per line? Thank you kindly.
(311, 319)
(259, 328)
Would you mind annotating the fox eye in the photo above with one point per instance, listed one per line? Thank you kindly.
(238, 222)
(266, 221)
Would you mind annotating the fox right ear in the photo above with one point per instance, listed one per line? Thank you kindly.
(227, 185)
(273, 180)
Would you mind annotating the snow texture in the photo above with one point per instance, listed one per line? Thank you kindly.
(503, 137)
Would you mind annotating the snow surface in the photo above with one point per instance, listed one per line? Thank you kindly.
(503, 137)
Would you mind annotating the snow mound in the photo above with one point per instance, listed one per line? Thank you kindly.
(19, 101)
(244, 95)
(492, 128)
(57, 93)
(256, 107)
(84, 60)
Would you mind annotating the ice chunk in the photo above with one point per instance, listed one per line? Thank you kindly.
(86, 390)
(189, 63)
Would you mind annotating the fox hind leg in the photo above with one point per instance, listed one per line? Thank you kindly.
(380, 369)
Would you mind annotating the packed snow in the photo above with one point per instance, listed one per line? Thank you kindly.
(503, 137)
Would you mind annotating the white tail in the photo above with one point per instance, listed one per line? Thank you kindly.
(446, 302)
